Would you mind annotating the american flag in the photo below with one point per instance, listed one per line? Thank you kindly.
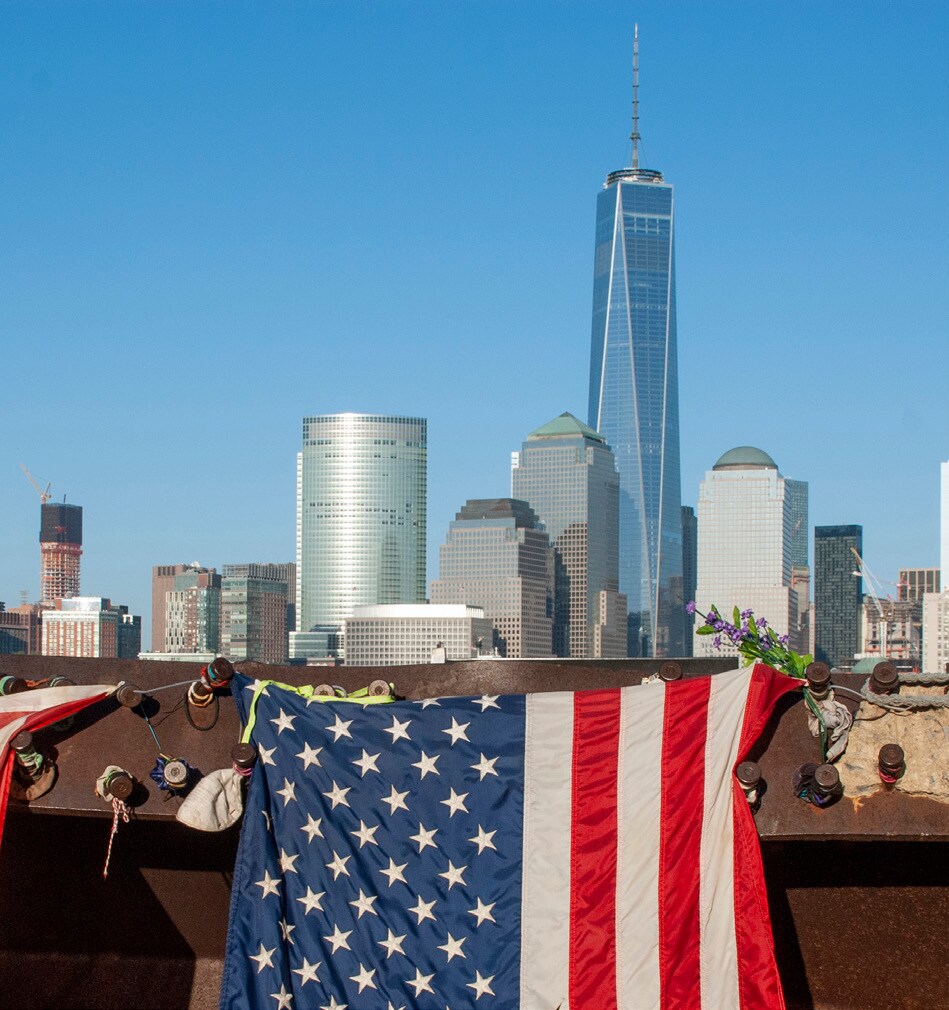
(589, 850)
(33, 710)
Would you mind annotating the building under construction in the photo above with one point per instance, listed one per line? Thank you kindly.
(60, 549)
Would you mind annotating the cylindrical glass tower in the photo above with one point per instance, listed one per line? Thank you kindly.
(361, 509)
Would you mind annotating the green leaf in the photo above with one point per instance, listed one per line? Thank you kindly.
(705, 629)
(736, 617)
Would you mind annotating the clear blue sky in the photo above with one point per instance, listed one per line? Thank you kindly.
(217, 218)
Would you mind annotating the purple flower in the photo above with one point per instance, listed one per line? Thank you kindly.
(762, 622)
(718, 625)
(710, 618)
(744, 627)
(690, 607)
(717, 641)
(765, 643)
(783, 639)
(736, 636)
(745, 614)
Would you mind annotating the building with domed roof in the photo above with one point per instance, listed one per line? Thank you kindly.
(752, 534)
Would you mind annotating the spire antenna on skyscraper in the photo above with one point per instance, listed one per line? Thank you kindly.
(634, 136)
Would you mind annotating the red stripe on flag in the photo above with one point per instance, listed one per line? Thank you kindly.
(593, 850)
(683, 800)
(34, 721)
(759, 986)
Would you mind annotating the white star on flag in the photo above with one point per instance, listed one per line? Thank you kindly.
(287, 861)
(367, 763)
(338, 865)
(308, 972)
(310, 756)
(483, 839)
(487, 701)
(481, 985)
(363, 978)
(338, 938)
(454, 874)
(394, 872)
(286, 929)
(396, 801)
(266, 755)
(455, 802)
(283, 721)
(269, 885)
(364, 904)
(483, 911)
(424, 838)
(423, 910)
(333, 1005)
(457, 731)
(420, 982)
(399, 730)
(312, 899)
(263, 958)
(365, 834)
(288, 792)
(452, 947)
(485, 766)
(336, 795)
(312, 827)
(426, 764)
(283, 998)
(340, 728)
(392, 944)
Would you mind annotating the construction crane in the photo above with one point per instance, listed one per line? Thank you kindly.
(44, 494)
(876, 588)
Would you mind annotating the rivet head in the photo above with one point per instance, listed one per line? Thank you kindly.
(670, 671)
(818, 676)
(244, 755)
(749, 774)
(128, 695)
(891, 757)
(826, 777)
(176, 773)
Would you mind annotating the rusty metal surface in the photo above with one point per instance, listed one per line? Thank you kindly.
(111, 734)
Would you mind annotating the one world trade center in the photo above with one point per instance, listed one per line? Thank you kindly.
(634, 397)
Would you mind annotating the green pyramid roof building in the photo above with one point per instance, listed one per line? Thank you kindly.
(565, 425)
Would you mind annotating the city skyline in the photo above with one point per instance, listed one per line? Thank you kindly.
(196, 214)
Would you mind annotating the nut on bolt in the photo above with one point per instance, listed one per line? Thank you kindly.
(818, 679)
(128, 695)
(670, 671)
(884, 679)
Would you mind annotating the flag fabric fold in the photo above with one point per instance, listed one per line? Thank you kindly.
(586, 850)
(34, 710)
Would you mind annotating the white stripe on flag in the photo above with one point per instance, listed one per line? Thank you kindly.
(8, 731)
(51, 697)
(545, 888)
(718, 955)
(637, 872)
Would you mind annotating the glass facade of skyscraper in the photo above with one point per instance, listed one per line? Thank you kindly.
(567, 475)
(361, 511)
(498, 557)
(634, 399)
(838, 593)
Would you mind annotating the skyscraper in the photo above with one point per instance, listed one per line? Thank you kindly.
(186, 609)
(838, 593)
(690, 560)
(498, 557)
(634, 390)
(745, 545)
(254, 612)
(361, 511)
(60, 551)
(944, 522)
(566, 473)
